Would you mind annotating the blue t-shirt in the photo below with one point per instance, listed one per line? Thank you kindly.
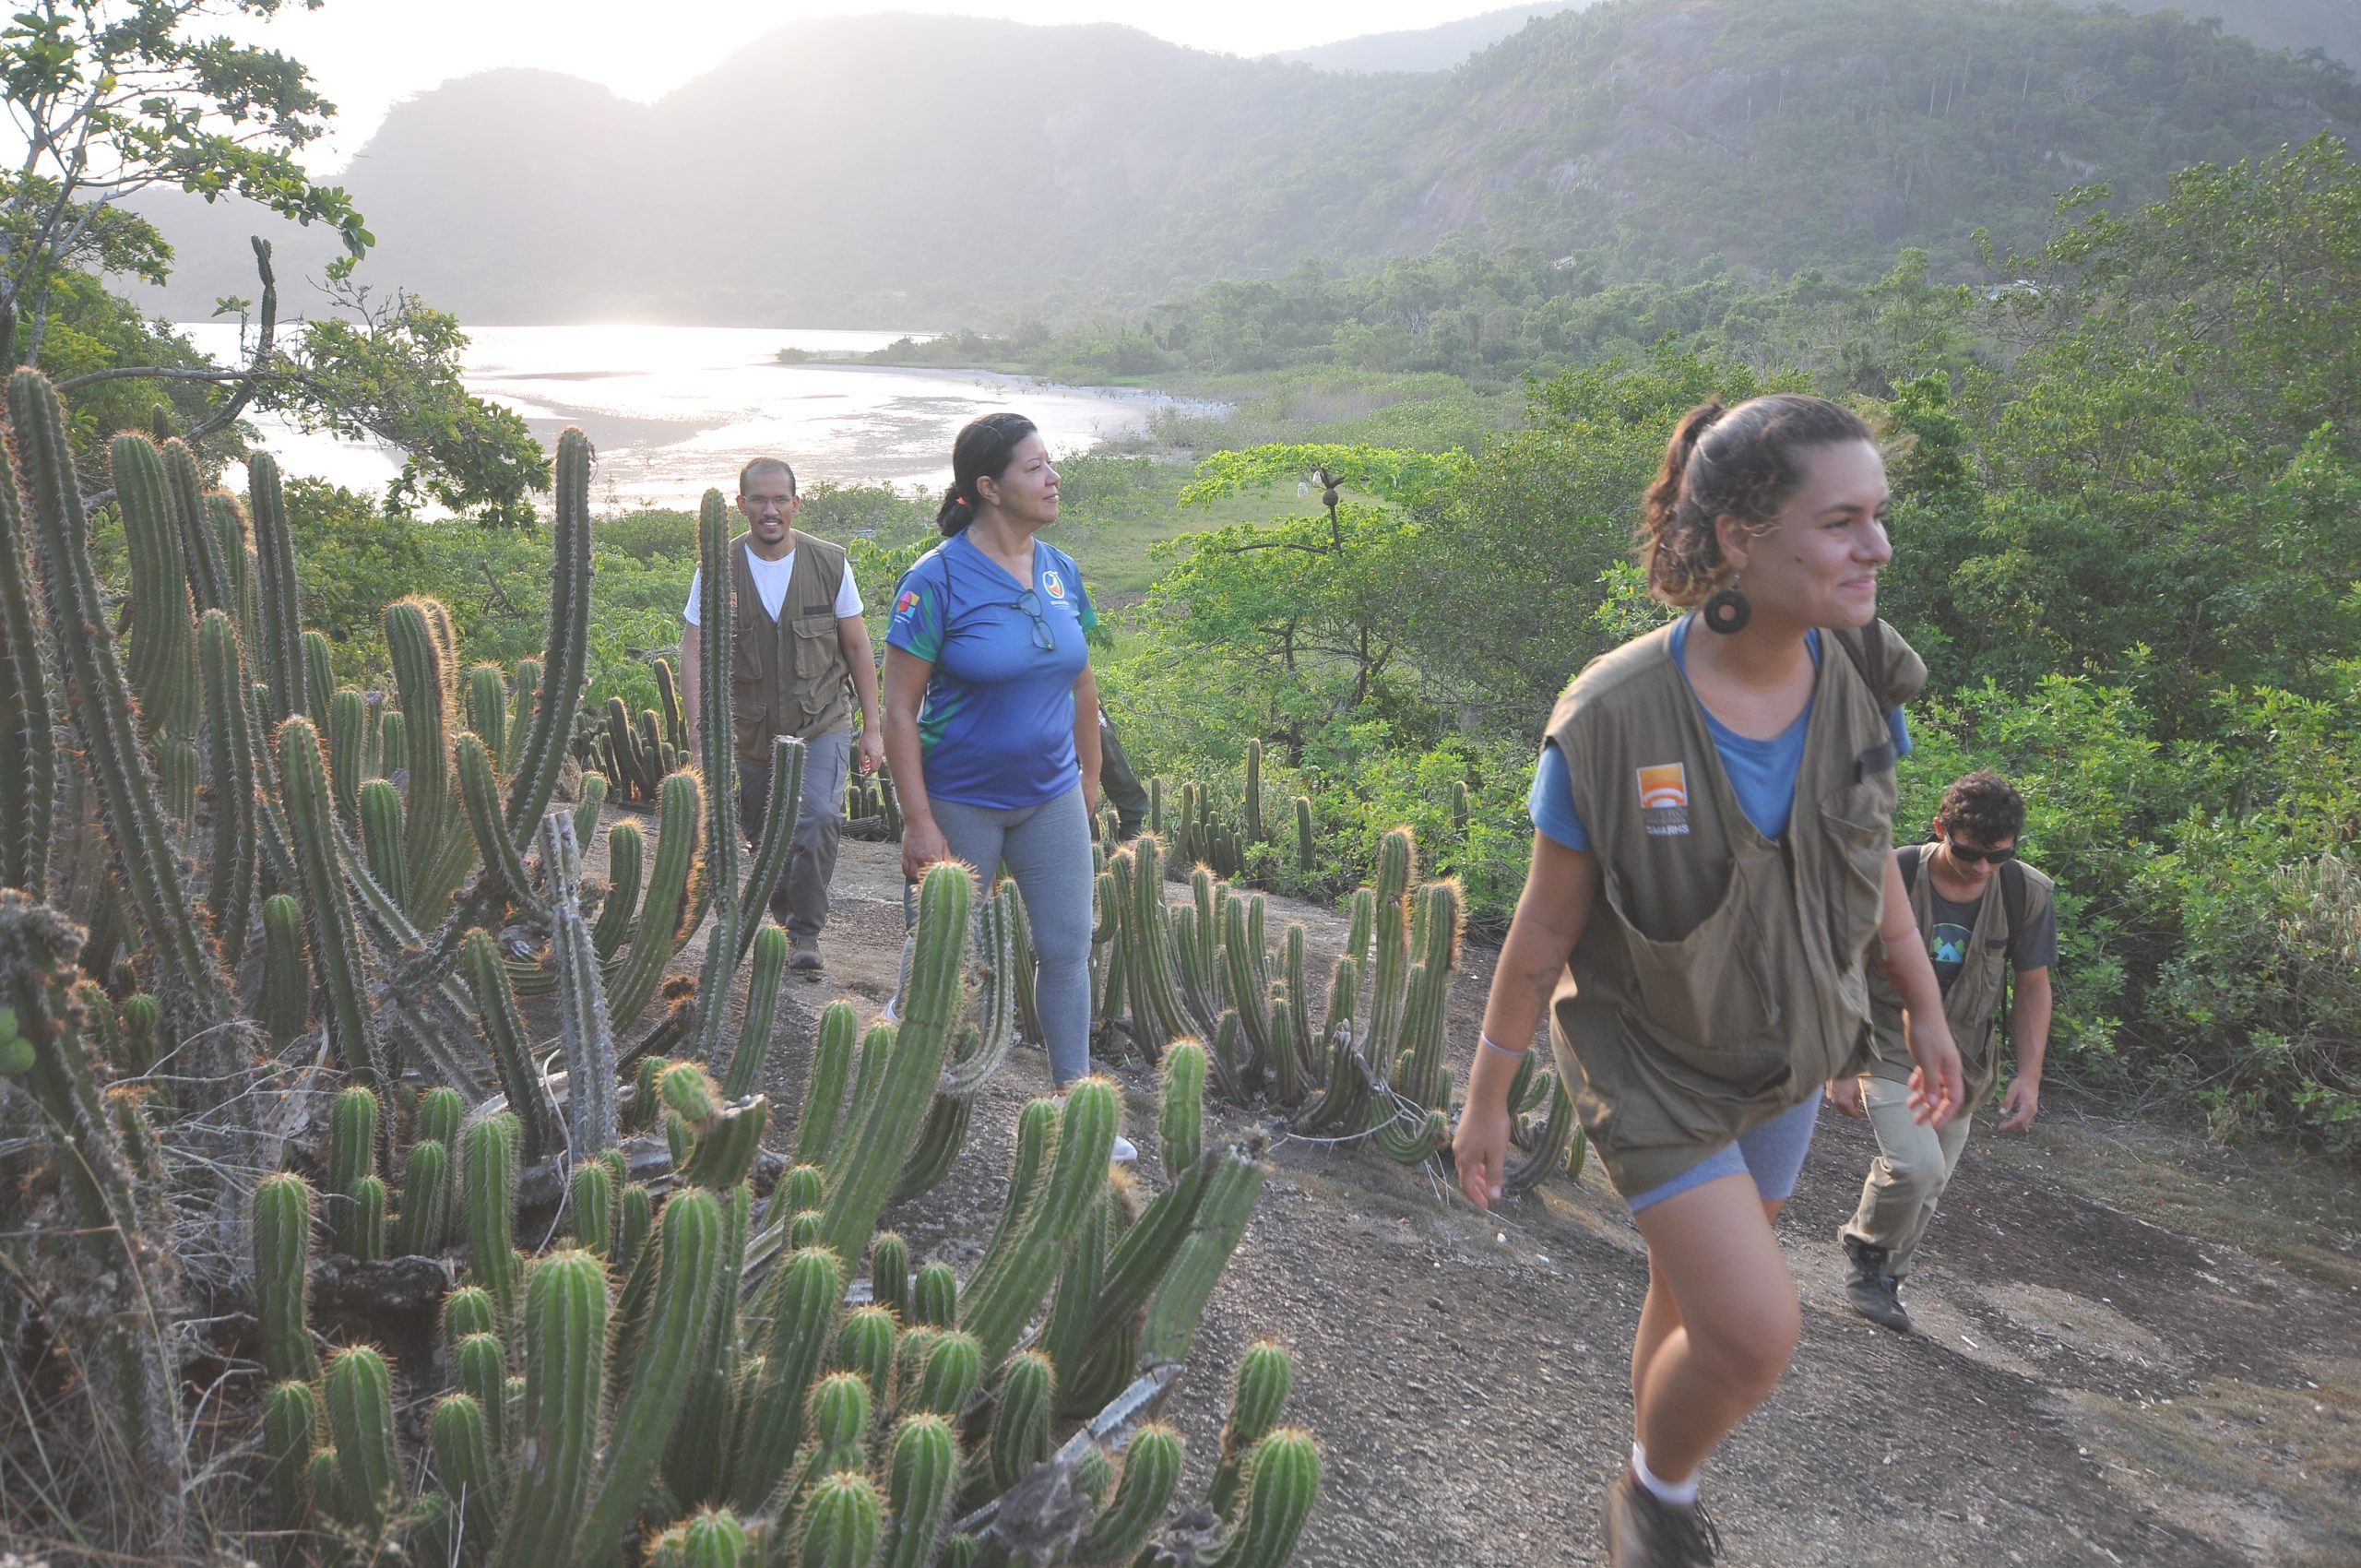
(1761, 772)
(997, 727)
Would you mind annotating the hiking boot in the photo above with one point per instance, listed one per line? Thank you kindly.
(803, 955)
(1644, 1531)
(1871, 1289)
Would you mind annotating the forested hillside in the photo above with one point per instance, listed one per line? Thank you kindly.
(943, 171)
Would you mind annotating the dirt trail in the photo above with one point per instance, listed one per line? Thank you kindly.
(2085, 1386)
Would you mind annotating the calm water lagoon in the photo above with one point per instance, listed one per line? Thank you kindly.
(673, 409)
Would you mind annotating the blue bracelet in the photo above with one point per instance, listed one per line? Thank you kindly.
(1496, 1045)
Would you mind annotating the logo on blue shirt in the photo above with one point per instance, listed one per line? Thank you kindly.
(1053, 585)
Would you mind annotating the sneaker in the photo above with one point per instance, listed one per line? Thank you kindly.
(1123, 1153)
(1871, 1287)
(1644, 1531)
(803, 955)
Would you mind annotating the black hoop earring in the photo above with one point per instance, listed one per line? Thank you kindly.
(1726, 610)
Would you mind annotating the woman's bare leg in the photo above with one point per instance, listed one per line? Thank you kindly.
(1718, 1326)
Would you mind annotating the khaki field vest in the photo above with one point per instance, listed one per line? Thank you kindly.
(1972, 1007)
(787, 676)
(1719, 979)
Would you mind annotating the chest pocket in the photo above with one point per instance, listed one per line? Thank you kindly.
(1860, 817)
(816, 654)
(1706, 989)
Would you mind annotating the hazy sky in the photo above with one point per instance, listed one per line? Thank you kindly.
(367, 54)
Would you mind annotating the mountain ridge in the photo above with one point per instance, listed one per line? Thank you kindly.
(926, 171)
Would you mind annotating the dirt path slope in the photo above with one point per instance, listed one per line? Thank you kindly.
(2086, 1387)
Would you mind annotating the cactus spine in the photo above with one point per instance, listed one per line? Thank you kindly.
(564, 1337)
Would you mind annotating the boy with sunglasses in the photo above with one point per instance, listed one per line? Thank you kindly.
(1983, 913)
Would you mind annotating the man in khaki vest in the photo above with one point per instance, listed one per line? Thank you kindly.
(1983, 913)
(799, 643)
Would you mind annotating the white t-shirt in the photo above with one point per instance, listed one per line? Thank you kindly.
(770, 586)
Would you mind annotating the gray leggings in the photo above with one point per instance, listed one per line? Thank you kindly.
(1047, 849)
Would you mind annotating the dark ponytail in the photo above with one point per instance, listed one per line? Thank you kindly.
(1745, 462)
(982, 450)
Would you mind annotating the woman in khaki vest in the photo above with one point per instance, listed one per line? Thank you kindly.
(1713, 863)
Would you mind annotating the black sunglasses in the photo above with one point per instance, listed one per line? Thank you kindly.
(1044, 637)
(1962, 852)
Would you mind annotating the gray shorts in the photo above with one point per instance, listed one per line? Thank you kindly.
(1771, 1152)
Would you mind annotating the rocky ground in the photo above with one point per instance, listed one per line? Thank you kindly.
(2133, 1346)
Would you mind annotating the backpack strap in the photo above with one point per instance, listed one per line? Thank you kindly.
(2012, 902)
(1867, 654)
(1910, 855)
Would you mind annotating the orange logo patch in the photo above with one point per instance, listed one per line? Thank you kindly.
(1664, 785)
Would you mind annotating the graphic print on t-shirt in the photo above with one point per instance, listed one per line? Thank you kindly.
(1947, 946)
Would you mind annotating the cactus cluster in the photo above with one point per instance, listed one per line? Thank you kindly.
(1363, 1059)
(391, 1016)
(715, 1390)
(873, 811)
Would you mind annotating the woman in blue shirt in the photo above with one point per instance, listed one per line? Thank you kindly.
(991, 712)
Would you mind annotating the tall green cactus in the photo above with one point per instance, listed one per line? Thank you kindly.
(384, 838)
(752, 1051)
(426, 682)
(806, 1293)
(197, 997)
(335, 939)
(718, 763)
(352, 1154)
(1151, 1475)
(565, 1339)
(565, 646)
(887, 1124)
(468, 1463)
(28, 713)
(487, 1209)
(680, 820)
(584, 1025)
(279, 640)
(1180, 1117)
(923, 1468)
(426, 1200)
(889, 1274)
(230, 883)
(780, 813)
(934, 1295)
(1236, 1181)
(361, 1420)
(479, 796)
(282, 1276)
(1020, 1434)
(823, 1098)
(503, 1032)
(1307, 857)
(625, 851)
(840, 1524)
(1014, 1276)
(1265, 1377)
(691, 1274)
(162, 662)
(291, 1414)
(1282, 1480)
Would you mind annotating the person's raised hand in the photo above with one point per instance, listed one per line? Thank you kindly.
(1479, 1148)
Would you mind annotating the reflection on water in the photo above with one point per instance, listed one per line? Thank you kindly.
(673, 409)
